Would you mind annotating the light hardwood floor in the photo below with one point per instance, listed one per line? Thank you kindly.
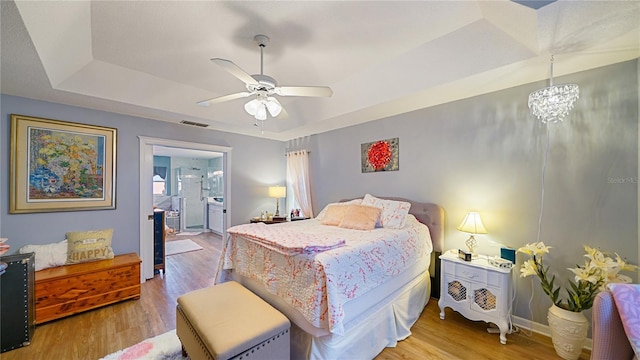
(97, 333)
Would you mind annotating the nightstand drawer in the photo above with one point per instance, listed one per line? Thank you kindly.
(465, 272)
(472, 273)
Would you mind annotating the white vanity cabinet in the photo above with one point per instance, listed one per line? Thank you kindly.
(215, 216)
(477, 290)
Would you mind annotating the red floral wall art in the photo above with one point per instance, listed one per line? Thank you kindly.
(380, 155)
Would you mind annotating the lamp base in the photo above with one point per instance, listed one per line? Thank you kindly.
(277, 208)
(472, 244)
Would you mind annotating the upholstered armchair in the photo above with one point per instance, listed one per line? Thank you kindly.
(610, 341)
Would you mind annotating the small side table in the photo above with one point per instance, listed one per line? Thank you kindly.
(477, 290)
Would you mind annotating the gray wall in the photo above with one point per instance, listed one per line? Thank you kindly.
(256, 164)
(483, 153)
(486, 153)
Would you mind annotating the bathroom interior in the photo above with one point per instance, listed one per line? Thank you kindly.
(189, 186)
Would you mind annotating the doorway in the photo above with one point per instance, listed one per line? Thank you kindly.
(187, 185)
(203, 182)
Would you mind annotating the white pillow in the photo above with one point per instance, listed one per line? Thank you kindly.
(47, 255)
(393, 212)
(322, 213)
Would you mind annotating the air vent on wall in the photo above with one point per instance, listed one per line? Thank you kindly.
(186, 122)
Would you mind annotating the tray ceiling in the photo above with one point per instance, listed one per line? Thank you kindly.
(381, 58)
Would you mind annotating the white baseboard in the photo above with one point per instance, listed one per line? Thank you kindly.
(541, 329)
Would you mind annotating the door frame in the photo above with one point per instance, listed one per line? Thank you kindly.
(146, 192)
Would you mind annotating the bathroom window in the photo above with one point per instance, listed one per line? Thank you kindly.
(159, 185)
(159, 180)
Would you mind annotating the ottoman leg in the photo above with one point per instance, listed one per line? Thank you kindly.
(184, 351)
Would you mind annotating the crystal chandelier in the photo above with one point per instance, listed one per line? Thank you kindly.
(553, 103)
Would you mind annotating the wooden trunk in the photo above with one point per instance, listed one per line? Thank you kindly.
(66, 290)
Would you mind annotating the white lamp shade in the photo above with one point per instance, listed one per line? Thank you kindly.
(472, 224)
(277, 192)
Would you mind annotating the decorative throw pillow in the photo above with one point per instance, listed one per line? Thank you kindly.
(47, 255)
(89, 246)
(360, 217)
(324, 211)
(334, 215)
(393, 212)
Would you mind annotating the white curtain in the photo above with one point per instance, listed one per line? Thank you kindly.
(298, 179)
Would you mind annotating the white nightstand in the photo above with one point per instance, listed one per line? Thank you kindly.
(477, 290)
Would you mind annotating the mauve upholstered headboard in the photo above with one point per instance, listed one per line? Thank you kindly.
(429, 214)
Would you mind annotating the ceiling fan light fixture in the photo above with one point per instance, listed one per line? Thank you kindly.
(273, 106)
(261, 113)
(252, 107)
(262, 86)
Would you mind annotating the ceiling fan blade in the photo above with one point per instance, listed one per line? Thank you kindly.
(316, 91)
(235, 70)
(224, 98)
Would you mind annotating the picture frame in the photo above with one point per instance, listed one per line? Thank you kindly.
(61, 166)
(382, 155)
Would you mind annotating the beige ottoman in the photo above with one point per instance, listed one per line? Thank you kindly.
(227, 321)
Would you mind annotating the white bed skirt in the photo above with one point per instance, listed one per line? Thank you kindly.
(365, 337)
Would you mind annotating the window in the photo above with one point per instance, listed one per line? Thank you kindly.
(159, 185)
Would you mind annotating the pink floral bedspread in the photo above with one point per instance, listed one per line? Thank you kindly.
(627, 299)
(319, 284)
(287, 240)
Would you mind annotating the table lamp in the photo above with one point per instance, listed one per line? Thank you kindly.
(472, 224)
(277, 192)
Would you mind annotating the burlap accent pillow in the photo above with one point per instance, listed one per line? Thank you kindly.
(89, 246)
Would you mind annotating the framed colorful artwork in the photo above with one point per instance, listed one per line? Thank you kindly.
(61, 166)
(380, 155)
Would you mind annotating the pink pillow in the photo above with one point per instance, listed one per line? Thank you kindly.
(334, 215)
(393, 212)
(360, 217)
(322, 213)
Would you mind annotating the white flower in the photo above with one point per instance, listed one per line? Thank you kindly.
(623, 264)
(598, 270)
(586, 274)
(536, 249)
(528, 268)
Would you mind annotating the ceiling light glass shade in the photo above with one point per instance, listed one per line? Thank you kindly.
(261, 112)
(553, 103)
(274, 106)
(252, 107)
(258, 107)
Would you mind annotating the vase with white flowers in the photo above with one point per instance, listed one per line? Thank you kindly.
(567, 323)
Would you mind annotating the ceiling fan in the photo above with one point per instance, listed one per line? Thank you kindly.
(264, 87)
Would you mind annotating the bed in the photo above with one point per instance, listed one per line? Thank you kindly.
(361, 293)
